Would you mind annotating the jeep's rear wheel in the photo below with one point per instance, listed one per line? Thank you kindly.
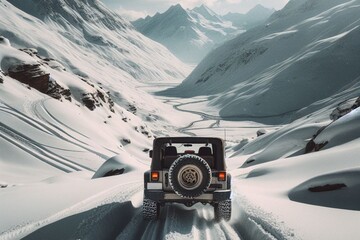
(189, 176)
(151, 209)
(222, 210)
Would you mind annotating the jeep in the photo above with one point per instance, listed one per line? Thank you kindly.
(187, 170)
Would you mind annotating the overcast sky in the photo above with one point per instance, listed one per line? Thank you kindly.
(141, 8)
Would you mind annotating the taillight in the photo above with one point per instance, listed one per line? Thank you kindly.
(222, 176)
(154, 176)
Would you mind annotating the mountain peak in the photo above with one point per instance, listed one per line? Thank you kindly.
(260, 10)
(203, 6)
(176, 7)
(259, 6)
(206, 12)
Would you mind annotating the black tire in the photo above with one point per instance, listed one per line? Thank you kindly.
(151, 209)
(189, 176)
(222, 210)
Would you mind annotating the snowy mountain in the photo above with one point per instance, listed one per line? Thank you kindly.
(78, 68)
(102, 34)
(189, 34)
(304, 59)
(254, 17)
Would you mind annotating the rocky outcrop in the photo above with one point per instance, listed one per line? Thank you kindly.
(344, 108)
(56, 91)
(44, 60)
(341, 110)
(98, 99)
(36, 77)
(31, 74)
(260, 132)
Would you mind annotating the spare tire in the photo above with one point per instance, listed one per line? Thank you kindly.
(189, 176)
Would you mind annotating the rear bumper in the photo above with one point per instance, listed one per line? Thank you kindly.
(161, 196)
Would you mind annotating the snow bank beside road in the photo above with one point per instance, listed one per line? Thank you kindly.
(269, 188)
(123, 162)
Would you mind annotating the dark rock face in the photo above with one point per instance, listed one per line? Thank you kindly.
(90, 101)
(125, 141)
(56, 91)
(260, 132)
(132, 108)
(31, 51)
(344, 108)
(311, 146)
(98, 99)
(32, 75)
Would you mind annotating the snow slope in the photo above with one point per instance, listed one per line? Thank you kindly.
(308, 52)
(189, 34)
(99, 34)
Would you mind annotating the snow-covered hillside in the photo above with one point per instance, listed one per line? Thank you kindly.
(305, 57)
(189, 34)
(79, 68)
(99, 34)
(254, 17)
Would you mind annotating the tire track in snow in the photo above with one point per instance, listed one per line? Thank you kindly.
(179, 222)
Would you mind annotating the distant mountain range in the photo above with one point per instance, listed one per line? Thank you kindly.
(191, 33)
(304, 59)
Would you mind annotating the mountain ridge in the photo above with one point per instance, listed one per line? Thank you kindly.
(189, 34)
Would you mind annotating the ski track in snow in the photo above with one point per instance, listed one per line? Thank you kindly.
(58, 131)
(34, 148)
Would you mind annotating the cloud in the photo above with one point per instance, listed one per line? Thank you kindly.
(233, 1)
(131, 15)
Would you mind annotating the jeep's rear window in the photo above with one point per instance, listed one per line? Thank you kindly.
(189, 148)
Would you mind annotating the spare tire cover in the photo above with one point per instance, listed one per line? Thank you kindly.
(189, 176)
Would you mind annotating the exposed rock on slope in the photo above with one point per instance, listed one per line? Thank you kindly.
(32, 75)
